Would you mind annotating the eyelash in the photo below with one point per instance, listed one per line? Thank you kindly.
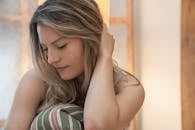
(61, 47)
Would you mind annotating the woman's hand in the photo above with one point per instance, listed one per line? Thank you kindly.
(97, 117)
(107, 44)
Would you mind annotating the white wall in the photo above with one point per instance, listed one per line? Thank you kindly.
(157, 31)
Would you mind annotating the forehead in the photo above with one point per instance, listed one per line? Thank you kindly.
(44, 30)
(47, 34)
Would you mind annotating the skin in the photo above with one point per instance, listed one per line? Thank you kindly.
(106, 112)
(62, 52)
(110, 111)
(30, 92)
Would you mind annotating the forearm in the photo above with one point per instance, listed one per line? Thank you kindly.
(101, 104)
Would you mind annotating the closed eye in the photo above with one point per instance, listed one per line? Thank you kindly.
(63, 46)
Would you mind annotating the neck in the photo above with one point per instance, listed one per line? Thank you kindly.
(80, 78)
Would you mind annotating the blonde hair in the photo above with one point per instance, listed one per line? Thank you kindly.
(75, 18)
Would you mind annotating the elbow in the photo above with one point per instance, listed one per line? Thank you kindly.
(91, 123)
(101, 121)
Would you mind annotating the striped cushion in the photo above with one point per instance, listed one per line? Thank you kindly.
(59, 117)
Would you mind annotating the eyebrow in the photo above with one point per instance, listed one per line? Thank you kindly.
(58, 39)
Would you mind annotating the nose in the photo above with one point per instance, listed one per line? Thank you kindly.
(53, 57)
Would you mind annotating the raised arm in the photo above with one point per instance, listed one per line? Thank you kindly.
(29, 94)
(104, 110)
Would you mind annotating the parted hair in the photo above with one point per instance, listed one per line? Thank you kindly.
(75, 18)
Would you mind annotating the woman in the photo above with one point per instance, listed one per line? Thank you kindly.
(73, 68)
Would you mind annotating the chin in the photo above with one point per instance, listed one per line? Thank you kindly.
(66, 77)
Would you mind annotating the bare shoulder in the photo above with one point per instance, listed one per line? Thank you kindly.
(128, 84)
(31, 83)
(130, 97)
(126, 80)
(29, 93)
(131, 89)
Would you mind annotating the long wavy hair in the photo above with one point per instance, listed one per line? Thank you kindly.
(75, 18)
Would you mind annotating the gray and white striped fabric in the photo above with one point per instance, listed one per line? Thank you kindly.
(59, 117)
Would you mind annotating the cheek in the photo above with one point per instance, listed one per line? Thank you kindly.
(77, 65)
(75, 55)
(80, 59)
(77, 58)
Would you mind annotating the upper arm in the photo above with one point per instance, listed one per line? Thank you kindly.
(130, 97)
(29, 93)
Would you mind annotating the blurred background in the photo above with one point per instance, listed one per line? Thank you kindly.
(155, 41)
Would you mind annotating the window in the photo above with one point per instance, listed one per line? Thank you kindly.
(14, 48)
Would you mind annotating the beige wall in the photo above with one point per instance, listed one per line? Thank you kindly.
(157, 31)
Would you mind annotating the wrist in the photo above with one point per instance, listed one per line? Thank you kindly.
(105, 58)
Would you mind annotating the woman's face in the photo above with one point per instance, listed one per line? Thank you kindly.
(64, 53)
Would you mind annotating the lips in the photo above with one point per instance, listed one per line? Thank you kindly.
(60, 69)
